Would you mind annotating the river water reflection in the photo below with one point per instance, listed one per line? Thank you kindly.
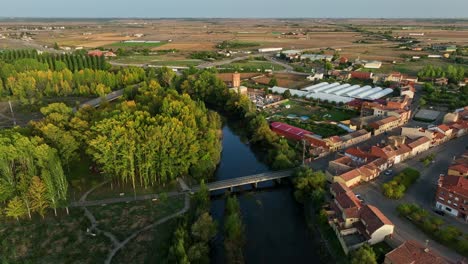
(275, 225)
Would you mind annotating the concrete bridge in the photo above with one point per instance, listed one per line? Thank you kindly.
(97, 101)
(246, 180)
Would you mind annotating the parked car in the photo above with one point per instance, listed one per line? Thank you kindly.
(388, 172)
(359, 198)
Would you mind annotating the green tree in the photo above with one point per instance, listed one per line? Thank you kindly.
(273, 82)
(37, 191)
(364, 255)
(16, 208)
(204, 229)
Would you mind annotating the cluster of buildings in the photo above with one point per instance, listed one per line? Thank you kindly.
(394, 77)
(320, 146)
(381, 116)
(362, 165)
(355, 223)
(99, 53)
(452, 189)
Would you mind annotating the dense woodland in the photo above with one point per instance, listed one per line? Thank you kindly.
(160, 131)
(30, 79)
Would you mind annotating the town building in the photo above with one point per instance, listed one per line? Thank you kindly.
(460, 170)
(384, 125)
(407, 90)
(452, 196)
(289, 131)
(411, 252)
(419, 145)
(361, 75)
(356, 224)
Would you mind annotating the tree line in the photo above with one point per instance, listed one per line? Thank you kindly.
(73, 62)
(454, 74)
(31, 176)
(29, 81)
(194, 232)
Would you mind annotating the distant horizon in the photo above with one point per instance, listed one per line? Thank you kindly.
(199, 17)
(333, 9)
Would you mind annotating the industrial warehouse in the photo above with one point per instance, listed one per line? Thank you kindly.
(336, 92)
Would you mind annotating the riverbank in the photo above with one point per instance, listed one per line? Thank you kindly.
(275, 226)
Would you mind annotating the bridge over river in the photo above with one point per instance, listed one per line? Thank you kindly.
(246, 180)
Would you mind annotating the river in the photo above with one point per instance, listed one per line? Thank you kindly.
(275, 226)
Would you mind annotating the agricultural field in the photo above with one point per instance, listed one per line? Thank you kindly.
(414, 66)
(253, 65)
(136, 44)
(165, 60)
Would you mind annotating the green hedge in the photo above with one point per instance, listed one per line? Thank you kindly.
(396, 188)
(434, 227)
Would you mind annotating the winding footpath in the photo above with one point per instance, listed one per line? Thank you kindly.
(118, 245)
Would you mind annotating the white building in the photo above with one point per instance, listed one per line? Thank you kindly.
(263, 50)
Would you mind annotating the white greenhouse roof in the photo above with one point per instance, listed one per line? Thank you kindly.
(341, 92)
(329, 97)
(369, 92)
(337, 88)
(358, 91)
(380, 94)
(308, 88)
(326, 87)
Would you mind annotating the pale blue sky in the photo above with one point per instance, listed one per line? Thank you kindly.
(235, 8)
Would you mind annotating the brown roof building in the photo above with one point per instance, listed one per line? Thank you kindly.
(452, 196)
(411, 252)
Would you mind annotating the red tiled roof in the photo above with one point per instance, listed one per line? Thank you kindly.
(373, 218)
(418, 142)
(456, 184)
(402, 149)
(350, 204)
(459, 167)
(439, 135)
(384, 121)
(357, 152)
(361, 75)
(350, 175)
(289, 131)
(411, 252)
(339, 188)
(444, 128)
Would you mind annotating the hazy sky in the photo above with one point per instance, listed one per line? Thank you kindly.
(235, 8)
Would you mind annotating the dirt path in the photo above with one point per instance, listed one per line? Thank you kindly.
(136, 233)
(118, 245)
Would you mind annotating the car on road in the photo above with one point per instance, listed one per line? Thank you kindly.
(359, 198)
(388, 172)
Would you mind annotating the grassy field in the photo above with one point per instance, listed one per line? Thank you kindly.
(254, 65)
(412, 67)
(156, 239)
(123, 219)
(61, 239)
(136, 45)
(157, 60)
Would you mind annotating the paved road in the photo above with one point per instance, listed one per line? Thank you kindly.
(422, 192)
